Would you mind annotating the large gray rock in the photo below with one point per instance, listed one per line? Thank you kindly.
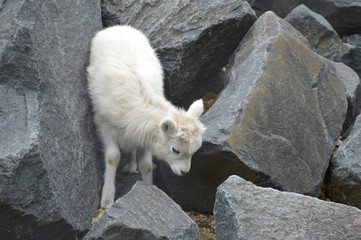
(344, 16)
(344, 185)
(144, 213)
(193, 38)
(321, 36)
(245, 211)
(48, 160)
(275, 123)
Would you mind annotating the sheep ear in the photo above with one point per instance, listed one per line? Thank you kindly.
(168, 127)
(196, 109)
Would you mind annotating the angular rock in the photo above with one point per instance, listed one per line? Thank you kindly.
(351, 53)
(275, 123)
(49, 173)
(351, 56)
(321, 36)
(354, 39)
(245, 211)
(353, 93)
(144, 213)
(324, 40)
(193, 38)
(344, 16)
(344, 183)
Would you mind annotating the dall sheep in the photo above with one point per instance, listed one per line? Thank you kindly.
(130, 111)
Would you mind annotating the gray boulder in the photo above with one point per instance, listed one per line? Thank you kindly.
(275, 123)
(321, 36)
(344, 183)
(344, 16)
(351, 52)
(193, 38)
(351, 56)
(353, 93)
(144, 213)
(49, 174)
(324, 40)
(245, 211)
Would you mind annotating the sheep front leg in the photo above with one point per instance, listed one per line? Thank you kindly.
(145, 165)
(112, 157)
(111, 163)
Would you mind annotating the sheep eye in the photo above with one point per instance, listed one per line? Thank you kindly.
(175, 150)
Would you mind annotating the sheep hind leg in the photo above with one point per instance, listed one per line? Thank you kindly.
(145, 165)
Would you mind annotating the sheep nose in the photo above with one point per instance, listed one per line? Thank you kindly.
(183, 172)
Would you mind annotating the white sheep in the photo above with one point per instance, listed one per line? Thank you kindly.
(130, 110)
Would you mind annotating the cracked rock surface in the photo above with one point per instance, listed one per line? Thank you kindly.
(275, 123)
(49, 173)
(245, 211)
(144, 213)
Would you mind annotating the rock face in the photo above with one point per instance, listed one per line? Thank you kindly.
(245, 211)
(193, 38)
(351, 53)
(144, 213)
(351, 56)
(344, 185)
(48, 167)
(275, 123)
(353, 93)
(344, 16)
(354, 39)
(324, 40)
(321, 36)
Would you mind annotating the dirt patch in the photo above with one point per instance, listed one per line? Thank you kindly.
(206, 224)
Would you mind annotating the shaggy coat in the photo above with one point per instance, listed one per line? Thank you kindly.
(130, 110)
